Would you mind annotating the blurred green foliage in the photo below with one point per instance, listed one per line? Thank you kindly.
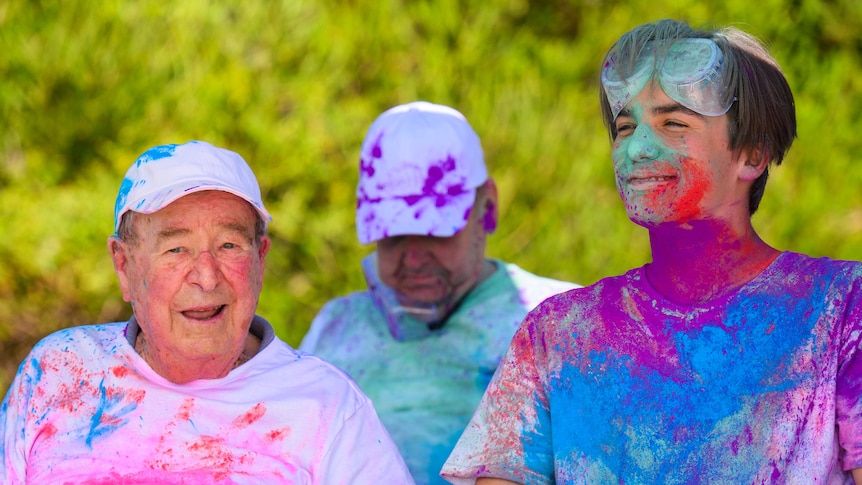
(293, 85)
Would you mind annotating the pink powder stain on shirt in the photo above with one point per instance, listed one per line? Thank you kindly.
(112, 393)
(185, 411)
(504, 409)
(110, 421)
(277, 435)
(248, 418)
(218, 458)
(163, 457)
(47, 431)
(120, 371)
(66, 397)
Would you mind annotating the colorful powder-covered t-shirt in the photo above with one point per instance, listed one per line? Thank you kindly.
(84, 408)
(614, 384)
(426, 387)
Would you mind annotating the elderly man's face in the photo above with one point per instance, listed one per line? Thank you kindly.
(193, 277)
(438, 270)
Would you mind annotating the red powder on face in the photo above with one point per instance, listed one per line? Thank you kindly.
(684, 204)
(688, 206)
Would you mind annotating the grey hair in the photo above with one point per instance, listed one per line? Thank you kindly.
(126, 231)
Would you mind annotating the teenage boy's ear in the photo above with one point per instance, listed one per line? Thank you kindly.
(752, 163)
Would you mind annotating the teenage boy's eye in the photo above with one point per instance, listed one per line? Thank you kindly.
(625, 128)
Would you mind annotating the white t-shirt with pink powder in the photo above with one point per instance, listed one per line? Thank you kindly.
(84, 408)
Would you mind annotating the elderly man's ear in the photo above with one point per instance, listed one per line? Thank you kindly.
(488, 206)
(120, 257)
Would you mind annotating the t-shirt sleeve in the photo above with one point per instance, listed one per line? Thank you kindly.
(363, 452)
(849, 381)
(12, 426)
(509, 435)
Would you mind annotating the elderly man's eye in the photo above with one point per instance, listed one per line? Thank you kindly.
(175, 250)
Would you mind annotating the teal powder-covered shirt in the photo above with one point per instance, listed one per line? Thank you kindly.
(425, 388)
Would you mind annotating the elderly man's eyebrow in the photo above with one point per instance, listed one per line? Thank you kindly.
(242, 229)
(174, 232)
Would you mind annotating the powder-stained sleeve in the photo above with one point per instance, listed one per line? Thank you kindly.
(509, 434)
(849, 381)
(13, 426)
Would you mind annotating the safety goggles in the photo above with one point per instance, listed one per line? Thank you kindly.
(692, 72)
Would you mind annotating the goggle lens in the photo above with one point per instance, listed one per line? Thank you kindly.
(692, 73)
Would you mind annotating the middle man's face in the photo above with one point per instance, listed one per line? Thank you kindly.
(434, 270)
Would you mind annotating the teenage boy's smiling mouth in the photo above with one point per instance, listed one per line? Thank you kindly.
(647, 181)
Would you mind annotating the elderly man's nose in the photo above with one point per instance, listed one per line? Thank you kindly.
(204, 272)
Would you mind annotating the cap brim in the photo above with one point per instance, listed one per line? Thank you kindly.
(156, 201)
(432, 215)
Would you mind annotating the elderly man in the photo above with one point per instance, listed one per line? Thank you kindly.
(425, 338)
(724, 360)
(194, 388)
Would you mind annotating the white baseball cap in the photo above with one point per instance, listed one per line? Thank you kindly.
(419, 169)
(165, 173)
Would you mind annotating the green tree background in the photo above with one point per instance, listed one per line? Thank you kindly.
(292, 86)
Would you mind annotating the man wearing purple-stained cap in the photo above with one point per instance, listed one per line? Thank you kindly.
(194, 388)
(429, 331)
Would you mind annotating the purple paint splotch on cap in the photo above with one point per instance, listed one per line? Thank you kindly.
(419, 168)
(165, 173)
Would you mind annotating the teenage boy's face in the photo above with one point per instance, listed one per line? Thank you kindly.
(673, 165)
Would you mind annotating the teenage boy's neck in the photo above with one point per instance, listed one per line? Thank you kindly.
(703, 260)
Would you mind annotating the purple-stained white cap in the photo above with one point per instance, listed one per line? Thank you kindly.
(419, 169)
(165, 173)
